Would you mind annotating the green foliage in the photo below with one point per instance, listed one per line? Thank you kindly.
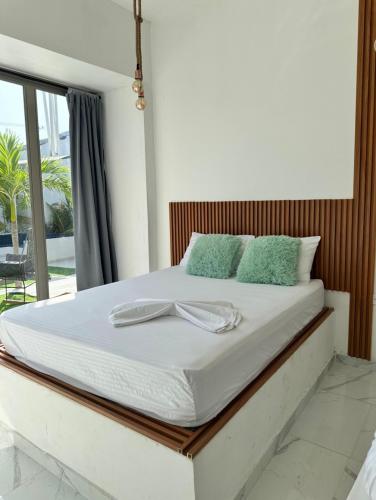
(4, 306)
(14, 178)
(61, 219)
(58, 271)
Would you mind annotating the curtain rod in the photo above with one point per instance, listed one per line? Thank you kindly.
(18, 75)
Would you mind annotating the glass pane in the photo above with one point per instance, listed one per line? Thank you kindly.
(17, 269)
(53, 120)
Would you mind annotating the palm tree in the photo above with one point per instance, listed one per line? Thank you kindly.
(15, 184)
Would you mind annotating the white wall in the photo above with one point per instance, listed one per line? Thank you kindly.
(340, 301)
(254, 101)
(125, 145)
(60, 249)
(57, 249)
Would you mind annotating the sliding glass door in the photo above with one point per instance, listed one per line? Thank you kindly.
(53, 120)
(17, 262)
(36, 215)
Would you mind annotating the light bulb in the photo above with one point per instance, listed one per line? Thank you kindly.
(141, 103)
(137, 86)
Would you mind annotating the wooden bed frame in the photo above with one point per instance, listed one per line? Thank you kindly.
(327, 218)
(187, 441)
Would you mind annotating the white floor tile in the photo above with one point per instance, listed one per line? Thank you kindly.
(362, 445)
(331, 421)
(301, 471)
(57, 469)
(347, 480)
(357, 382)
(327, 444)
(21, 478)
(15, 468)
(340, 372)
(45, 486)
(365, 437)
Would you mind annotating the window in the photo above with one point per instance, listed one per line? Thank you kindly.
(36, 213)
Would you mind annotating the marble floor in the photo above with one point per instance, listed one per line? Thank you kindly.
(322, 452)
(21, 478)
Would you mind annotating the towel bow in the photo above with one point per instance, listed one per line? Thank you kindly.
(211, 316)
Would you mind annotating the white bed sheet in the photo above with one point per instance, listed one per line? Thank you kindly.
(166, 368)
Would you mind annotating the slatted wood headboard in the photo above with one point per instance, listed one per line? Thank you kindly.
(338, 256)
(328, 218)
(345, 260)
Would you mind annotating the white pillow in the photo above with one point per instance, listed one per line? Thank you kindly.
(194, 237)
(306, 255)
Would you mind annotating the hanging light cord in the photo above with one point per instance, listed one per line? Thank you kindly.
(138, 20)
(137, 85)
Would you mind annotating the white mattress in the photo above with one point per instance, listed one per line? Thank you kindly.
(166, 368)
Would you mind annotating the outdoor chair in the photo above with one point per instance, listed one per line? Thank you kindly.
(17, 269)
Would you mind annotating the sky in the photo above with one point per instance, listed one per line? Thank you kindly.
(12, 111)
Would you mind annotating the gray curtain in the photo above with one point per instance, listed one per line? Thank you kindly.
(95, 253)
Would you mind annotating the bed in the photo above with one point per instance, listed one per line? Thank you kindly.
(166, 368)
(165, 410)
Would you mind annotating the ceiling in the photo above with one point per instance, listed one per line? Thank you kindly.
(31, 59)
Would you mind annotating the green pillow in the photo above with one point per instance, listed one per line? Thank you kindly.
(270, 259)
(214, 256)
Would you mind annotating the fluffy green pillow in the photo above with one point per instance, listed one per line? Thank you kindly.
(214, 256)
(270, 259)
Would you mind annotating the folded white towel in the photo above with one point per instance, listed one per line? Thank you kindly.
(370, 471)
(212, 316)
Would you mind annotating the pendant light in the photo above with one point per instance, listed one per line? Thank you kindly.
(138, 85)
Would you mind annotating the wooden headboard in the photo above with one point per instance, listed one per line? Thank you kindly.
(345, 259)
(328, 218)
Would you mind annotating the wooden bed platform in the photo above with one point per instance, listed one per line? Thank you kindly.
(179, 462)
(187, 441)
